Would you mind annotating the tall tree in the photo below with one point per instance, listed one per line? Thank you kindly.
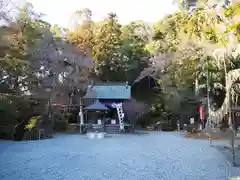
(19, 36)
(82, 35)
(134, 37)
(107, 52)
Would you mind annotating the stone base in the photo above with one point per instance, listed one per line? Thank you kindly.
(95, 135)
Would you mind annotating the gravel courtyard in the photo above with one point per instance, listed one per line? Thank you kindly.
(153, 156)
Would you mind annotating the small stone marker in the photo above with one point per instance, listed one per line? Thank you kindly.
(100, 135)
(91, 135)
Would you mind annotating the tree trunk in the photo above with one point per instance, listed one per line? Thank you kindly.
(49, 108)
(196, 86)
(69, 108)
(81, 115)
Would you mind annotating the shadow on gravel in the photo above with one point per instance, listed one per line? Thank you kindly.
(227, 153)
(137, 133)
(4, 145)
(203, 136)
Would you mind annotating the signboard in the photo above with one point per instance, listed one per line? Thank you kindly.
(113, 121)
(192, 120)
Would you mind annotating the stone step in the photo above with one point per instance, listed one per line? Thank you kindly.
(112, 132)
(112, 129)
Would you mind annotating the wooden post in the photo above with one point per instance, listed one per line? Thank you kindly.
(178, 125)
(210, 140)
(208, 92)
(232, 129)
(40, 132)
(232, 134)
(13, 133)
(81, 115)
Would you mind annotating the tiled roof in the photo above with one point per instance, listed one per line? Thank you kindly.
(109, 91)
(96, 106)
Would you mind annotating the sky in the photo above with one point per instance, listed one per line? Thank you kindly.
(60, 11)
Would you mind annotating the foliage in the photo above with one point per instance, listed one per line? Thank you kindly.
(107, 52)
(8, 117)
(186, 49)
(134, 37)
(36, 61)
(118, 51)
(167, 127)
(32, 122)
(60, 121)
(192, 128)
(17, 38)
(182, 52)
(134, 110)
(61, 125)
(15, 111)
(82, 35)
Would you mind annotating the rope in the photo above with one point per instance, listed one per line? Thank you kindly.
(6, 94)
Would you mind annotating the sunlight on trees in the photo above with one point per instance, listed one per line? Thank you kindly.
(181, 52)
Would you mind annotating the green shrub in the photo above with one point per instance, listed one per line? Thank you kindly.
(8, 118)
(61, 125)
(32, 123)
(7, 131)
(13, 110)
(31, 135)
(192, 128)
(167, 127)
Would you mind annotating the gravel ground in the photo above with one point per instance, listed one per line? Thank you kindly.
(153, 156)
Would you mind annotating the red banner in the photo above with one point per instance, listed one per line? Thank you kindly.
(201, 112)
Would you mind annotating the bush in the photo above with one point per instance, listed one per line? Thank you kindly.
(192, 128)
(32, 122)
(8, 118)
(15, 111)
(167, 127)
(7, 132)
(61, 125)
(31, 135)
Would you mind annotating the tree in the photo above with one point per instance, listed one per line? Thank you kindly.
(16, 39)
(134, 36)
(82, 35)
(134, 110)
(5, 10)
(19, 36)
(106, 52)
(193, 62)
(37, 62)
